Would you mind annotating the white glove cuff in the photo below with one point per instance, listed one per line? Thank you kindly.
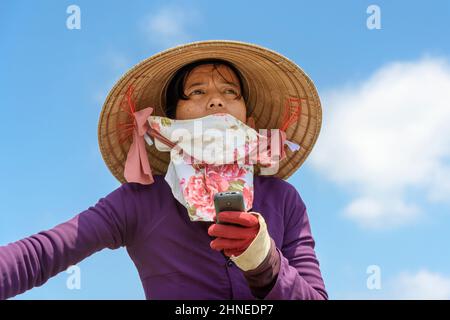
(257, 251)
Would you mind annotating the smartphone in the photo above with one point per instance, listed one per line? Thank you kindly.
(228, 201)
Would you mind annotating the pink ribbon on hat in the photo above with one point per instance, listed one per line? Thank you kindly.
(137, 168)
(291, 113)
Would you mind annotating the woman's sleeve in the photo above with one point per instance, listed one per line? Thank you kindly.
(299, 277)
(30, 262)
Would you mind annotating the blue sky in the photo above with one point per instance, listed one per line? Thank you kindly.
(375, 185)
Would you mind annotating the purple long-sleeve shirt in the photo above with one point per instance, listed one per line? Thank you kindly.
(172, 254)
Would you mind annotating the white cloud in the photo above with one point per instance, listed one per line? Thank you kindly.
(170, 25)
(421, 285)
(371, 211)
(388, 136)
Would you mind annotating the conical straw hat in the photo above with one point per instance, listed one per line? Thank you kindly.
(275, 86)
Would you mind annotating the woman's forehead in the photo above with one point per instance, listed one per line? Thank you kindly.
(205, 71)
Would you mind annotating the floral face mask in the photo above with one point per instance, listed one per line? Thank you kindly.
(213, 154)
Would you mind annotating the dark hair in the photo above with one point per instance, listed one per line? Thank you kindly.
(175, 87)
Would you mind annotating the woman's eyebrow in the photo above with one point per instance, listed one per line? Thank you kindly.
(203, 83)
(195, 84)
(231, 84)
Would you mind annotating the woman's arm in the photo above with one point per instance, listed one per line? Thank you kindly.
(292, 272)
(30, 262)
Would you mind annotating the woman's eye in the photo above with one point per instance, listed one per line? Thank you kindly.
(195, 91)
(198, 91)
(231, 90)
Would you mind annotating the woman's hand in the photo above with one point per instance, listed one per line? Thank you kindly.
(246, 240)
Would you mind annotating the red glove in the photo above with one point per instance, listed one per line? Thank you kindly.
(234, 239)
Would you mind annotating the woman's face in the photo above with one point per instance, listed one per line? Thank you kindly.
(211, 93)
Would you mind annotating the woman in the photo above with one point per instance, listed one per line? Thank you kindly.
(265, 253)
